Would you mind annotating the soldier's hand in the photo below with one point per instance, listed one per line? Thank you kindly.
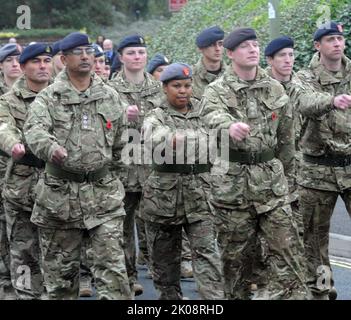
(177, 139)
(18, 151)
(239, 131)
(132, 113)
(59, 156)
(342, 101)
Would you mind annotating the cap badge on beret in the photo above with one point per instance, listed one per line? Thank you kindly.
(340, 28)
(141, 40)
(48, 49)
(166, 59)
(186, 72)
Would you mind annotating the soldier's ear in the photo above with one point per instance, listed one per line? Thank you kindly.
(63, 59)
(269, 60)
(317, 45)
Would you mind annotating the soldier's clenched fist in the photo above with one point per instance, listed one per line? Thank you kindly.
(132, 113)
(239, 131)
(18, 151)
(59, 156)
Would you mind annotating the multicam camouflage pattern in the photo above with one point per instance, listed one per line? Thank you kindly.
(253, 200)
(315, 204)
(166, 250)
(173, 200)
(264, 106)
(328, 128)
(146, 96)
(202, 78)
(5, 275)
(6, 288)
(3, 86)
(18, 192)
(61, 256)
(327, 132)
(88, 125)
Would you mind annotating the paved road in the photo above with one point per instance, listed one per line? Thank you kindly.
(341, 222)
(341, 270)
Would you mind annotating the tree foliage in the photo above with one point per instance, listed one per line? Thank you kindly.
(299, 18)
(76, 14)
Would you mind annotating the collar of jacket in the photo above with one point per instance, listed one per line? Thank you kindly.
(149, 86)
(193, 109)
(202, 72)
(323, 76)
(64, 88)
(262, 80)
(20, 89)
(286, 84)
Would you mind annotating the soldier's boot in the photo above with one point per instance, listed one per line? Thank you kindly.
(138, 289)
(333, 294)
(186, 269)
(85, 287)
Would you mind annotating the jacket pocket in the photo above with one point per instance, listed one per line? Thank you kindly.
(109, 194)
(160, 195)
(53, 195)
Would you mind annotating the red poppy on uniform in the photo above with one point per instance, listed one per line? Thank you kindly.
(274, 116)
(186, 72)
(109, 124)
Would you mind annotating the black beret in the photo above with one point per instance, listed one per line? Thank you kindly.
(9, 49)
(55, 48)
(156, 61)
(73, 40)
(238, 36)
(35, 50)
(176, 71)
(131, 41)
(98, 52)
(328, 28)
(209, 36)
(277, 44)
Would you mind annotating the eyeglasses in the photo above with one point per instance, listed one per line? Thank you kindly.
(79, 51)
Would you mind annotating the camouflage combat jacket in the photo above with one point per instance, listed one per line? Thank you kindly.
(328, 129)
(3, 158)
(202, 78)
(147, 96)
(263, 105)
(87, 124)
(3, 86)
(173, 197)
(294, 89)
(20, 179)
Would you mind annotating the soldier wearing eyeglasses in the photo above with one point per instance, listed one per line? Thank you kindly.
(75, 126)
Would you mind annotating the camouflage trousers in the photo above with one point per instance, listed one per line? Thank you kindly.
(166, 241)
(131, 205)
(142, 242)
(26, 275)
(317, 208)
(260, 276)
(85, 271)
(277, 233)
(6, 289)
(61, 255)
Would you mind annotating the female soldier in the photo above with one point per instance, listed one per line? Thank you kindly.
(175, 195)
